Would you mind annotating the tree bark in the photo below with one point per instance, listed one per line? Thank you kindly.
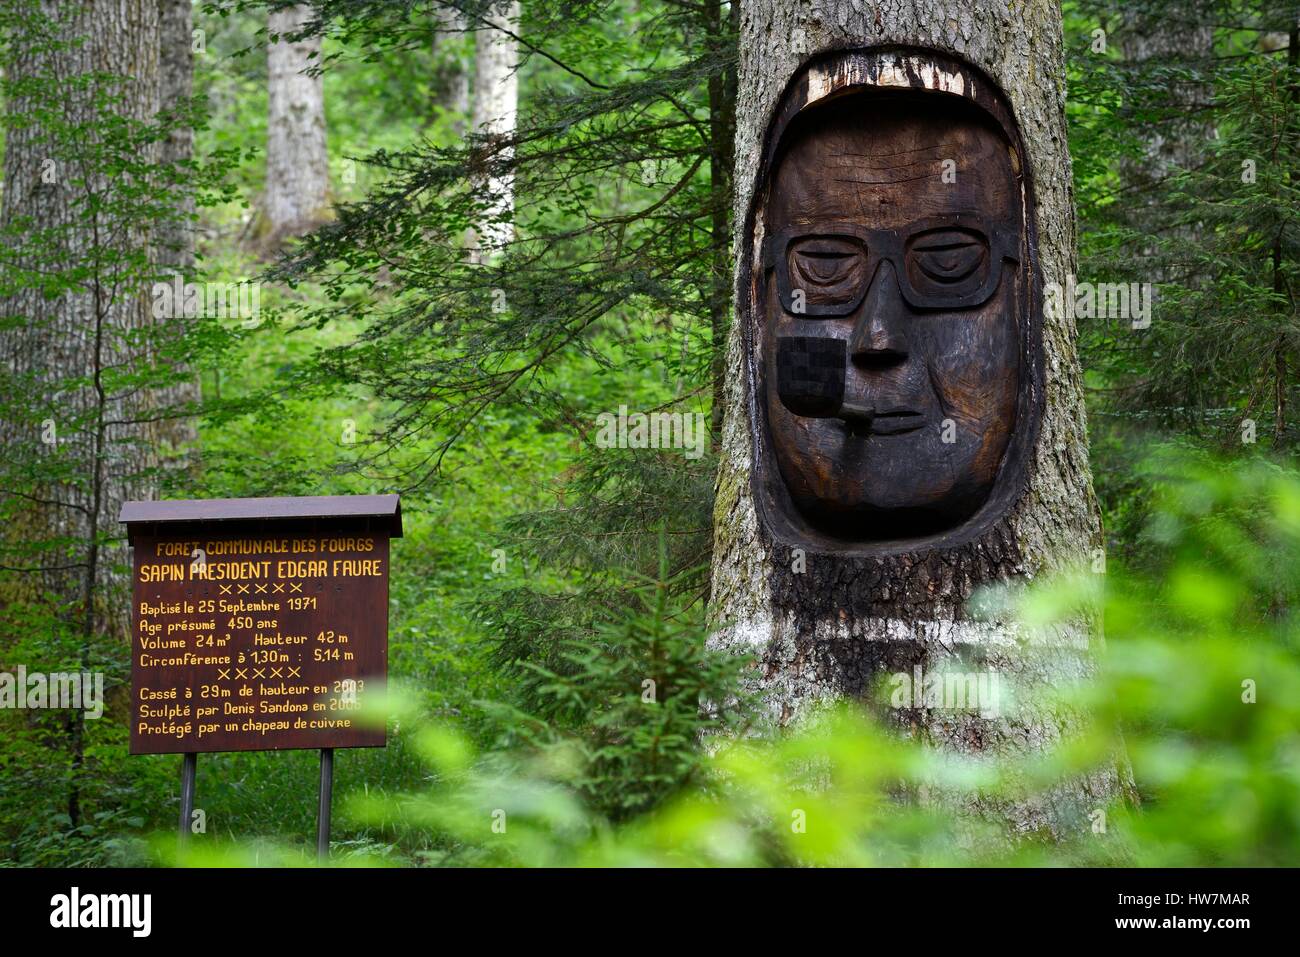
(1181, 142)
(174, 238)
(297, 165)
(175, 241)
(82, 331)
(1281, 385)
(65, 204)
(836, 627)
(496, 104)
(722, 136)
(449, 50)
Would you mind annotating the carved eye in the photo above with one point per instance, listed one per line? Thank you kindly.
(829, 269)
(946, 257)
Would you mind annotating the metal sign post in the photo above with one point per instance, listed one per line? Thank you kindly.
(326, 797)
(189, 766)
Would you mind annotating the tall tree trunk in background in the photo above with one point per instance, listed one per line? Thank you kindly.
(496, 104)
(825, 625)
(1280, 286)
(1181, 141)
(722, 137)
(449, 56)
(297, 165)
(68, 346)
(174, 240)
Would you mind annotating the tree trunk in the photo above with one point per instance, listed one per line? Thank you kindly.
(174, 238)
(297, 165)
(1181, 141)
(61, 196)
(1281, 384)
(496, 103)
(829, 621)
(722, 136)
(175, 241)
(449, 52)
(81, 332)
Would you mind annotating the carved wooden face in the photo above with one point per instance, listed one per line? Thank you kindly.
(892, 277)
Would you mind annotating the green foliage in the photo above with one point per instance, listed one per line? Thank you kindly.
(1185, 133)
(543, 579)
(1203, 664)
(607, 295)
(1199, 679)
(628, 702)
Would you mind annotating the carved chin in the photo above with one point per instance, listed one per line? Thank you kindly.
(883, 486)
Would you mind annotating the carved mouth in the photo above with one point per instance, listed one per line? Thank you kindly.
(895, 420)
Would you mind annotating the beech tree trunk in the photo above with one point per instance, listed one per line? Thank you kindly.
(63, 355)
(449, 50)
(80, 333)
(297, 165)
(1177, 143)
(496, 104)
(830, 630)
(174, 239)
(1180, 142)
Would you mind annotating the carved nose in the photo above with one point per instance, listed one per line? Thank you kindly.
(878, 339)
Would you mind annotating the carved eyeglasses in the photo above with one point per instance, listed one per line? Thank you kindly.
(944, 262)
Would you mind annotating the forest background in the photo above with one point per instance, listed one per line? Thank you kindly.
(472, 229)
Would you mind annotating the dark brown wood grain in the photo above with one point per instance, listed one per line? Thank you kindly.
(894, 324)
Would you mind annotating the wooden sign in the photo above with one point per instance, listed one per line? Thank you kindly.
(258, 624)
